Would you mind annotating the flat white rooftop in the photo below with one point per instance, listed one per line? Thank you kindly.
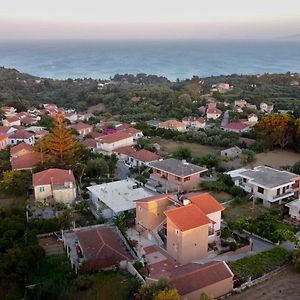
(294, 204)
(120, 195)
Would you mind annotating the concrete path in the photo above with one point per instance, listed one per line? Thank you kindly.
(122, 171)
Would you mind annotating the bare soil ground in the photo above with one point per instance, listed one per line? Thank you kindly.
(98, 107)
(198, 150)
(283, 286)
(222, 196)
(51, 245)
(275, 159)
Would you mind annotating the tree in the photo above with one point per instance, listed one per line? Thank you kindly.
(248, 156)
(171, 294)
(183, 153)
(278, 129)
(15, 182)
(296, 260)
(296, 168)
(151, 290)
(61, 144)
(97, 168)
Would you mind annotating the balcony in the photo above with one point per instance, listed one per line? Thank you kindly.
(288, 193)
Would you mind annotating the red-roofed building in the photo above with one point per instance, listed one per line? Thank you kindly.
(194, 123)
(27, 161)
(20, 150)
(28, 121)
(97, 135)
(3, 141)
(11, 121)
(82, 128)
(7, 130)
(134, 157)
(190, 224)
(8, 111)
(109, 143)
(90, 144)
(236, 127)
(21, 136)
(213, 113)
(136, 133)
(100, 247)
(214, 279)
(187, 233)
(54, 184)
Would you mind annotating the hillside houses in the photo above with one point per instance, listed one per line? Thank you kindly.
(173, 125)
(194, 123)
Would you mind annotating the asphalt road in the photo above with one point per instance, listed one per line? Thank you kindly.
(122, 171)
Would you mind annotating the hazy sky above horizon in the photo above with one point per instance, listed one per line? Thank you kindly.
(59, 19)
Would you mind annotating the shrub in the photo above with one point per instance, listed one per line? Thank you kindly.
(233, 246)
(83, 282)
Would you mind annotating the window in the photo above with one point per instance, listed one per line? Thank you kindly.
(244, 180)
(158, 172)
(42, 189)
(278, 192)
(283, 189)
(177, 232)
(178, 178)
(187, 179)
(260, 190)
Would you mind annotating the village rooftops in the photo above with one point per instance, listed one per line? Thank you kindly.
(52, 176)
(236, 126)
(81, 126)
(25, 162)
(120, 195)
(192, 277)
(266, 177)
(177, 167)
(21, 134)
(187, 217)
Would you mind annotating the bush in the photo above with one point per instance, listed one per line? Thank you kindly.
(83, 282)
(236, 191)
(233, 246)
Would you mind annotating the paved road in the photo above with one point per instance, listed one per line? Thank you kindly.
(122, 171)
(225, 119)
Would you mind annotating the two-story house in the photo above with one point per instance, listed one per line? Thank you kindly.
(213, 113)
(268, 185)
(186, 225)
(82, 128)
(54, 184)
(21, 136)
(11, 121)
(176, 175)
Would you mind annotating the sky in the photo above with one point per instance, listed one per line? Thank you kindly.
(192, 19)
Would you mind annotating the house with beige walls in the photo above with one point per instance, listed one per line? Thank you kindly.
(176, 175)
(54, 184)
(185, 226)
(173, 125)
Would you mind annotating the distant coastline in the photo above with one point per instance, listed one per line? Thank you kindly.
(169, 58)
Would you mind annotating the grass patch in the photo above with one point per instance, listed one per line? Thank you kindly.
(108, 285)
(260, 264)
(244, 209)
(222, 196)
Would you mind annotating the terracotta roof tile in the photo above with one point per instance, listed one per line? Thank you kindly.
(236, 126)
(187, 217)
(56, 176)
(206, 202)
(21, 134)
(22, 146)
(112, 138)
(26, 161)
(3, 137)
(192, 277)
(142, 155)
(102, 247)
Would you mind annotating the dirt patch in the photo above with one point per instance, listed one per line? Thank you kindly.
(221, 196)
(51, 245)
(98, 107)
(285, 285)
(275, 159)
(169, 146)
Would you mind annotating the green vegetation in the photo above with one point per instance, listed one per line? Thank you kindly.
(268, 226)
(19, 252)
(52, 278)
(296, 260)
(260, 264)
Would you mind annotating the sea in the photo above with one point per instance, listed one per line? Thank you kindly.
(174, 59)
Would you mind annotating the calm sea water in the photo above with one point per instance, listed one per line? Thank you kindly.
(173, 59)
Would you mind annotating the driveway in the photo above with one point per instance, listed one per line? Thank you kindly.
(225, 119)
(122, 170)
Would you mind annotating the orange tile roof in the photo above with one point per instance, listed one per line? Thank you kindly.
(56, 176)
(80, 125)
(20, 147)
(171, 124)
(187, 217)
(206, 202)
(213, 111)
(26, 161)
(142, 155)
(112, 138)
(3, 137)
(12, 119)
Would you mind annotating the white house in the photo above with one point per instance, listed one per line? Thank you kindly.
(252, 118)
(12, 121)
(268, 185)
(21, 136)
(294, 209)
(82, 128)
(213, 113)
(231, 152)
(116, 197)
(266, 108)
(109, 143)
(194, 123)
